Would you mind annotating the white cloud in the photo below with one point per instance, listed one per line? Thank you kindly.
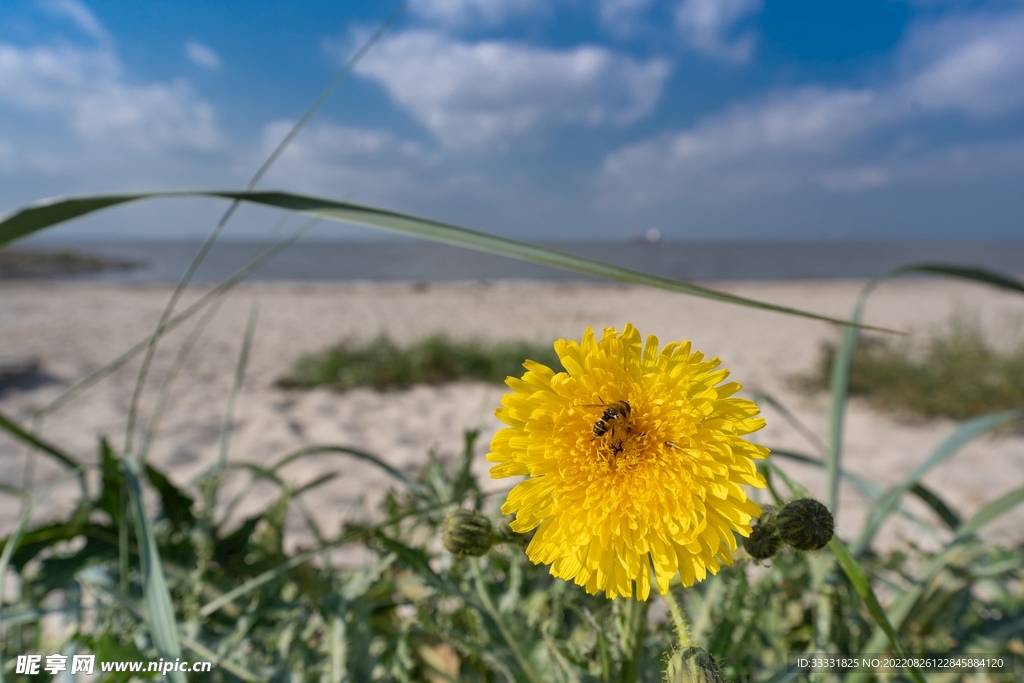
(842, 139)
(79, 14)
(622, 17)
(482, 95)
(202, 55)
(87, 88)
(709, 26)
(971, 64)
(469, 13)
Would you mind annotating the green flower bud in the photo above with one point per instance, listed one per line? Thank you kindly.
(693, 665)
(467, 532)
(762, 543)
(805, 524)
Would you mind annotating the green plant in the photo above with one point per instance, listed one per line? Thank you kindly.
(955, 372)
(381, 364)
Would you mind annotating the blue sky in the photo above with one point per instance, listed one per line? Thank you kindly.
(541, 119)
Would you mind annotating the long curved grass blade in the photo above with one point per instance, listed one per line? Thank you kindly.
(164, 394)
(236, 387)
(159, 610)
(795, 488)
(43, 215)
(990, 513)
(208, 243)
(860, 583)
(795, 422)
(14, 430)
(11, 490)
(842, 364)
(974, 274)
(929, 497)
(941, 508)
(859, 482)
(398, 474)
(264, 473)
(967, 432)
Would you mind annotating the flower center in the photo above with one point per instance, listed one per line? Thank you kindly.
(621, 437)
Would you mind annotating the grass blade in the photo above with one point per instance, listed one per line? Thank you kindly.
(862, 484)
(207, 244)
(842, 365)
(945, 513)
(990, 513)
(50, 212)
(163, 396)
(398, 474)
(793, 420)
(159, 610)
(967, 432)
(11, 490)
(904, 605)
(929, 497)
(863, 587)
(203, 301)
(236, 387)
(19, 433)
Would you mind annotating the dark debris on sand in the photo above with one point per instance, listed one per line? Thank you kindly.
(42, 264)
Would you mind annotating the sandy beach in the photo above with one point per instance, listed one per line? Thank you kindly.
(75, 328)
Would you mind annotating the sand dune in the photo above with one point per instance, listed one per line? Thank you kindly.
(74, 328)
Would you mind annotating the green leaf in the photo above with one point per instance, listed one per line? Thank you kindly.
(967, 432)
(860, 583)
(159, 610)
(58, 210)
(111, 484)
(175, 504)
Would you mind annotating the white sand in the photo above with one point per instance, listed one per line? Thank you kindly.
(76, 328)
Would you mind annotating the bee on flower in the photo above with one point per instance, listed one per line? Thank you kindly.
(634, 458)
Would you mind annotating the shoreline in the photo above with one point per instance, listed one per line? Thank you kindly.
(410, 260)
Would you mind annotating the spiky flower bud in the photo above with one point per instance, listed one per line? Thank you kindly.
(763, 542)
(467, 532)
(805, 524)
(693, 665)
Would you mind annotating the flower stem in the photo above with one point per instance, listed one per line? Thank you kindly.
(633, 632)
(679, 619)
(682, 630)
(493, 613)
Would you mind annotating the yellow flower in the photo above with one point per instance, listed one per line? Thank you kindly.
(631, 454)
